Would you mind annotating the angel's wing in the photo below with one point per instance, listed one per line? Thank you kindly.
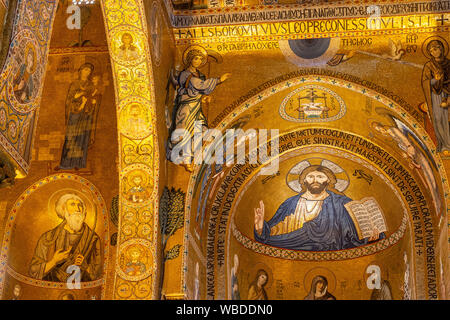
(173, 77)
(393, 48)
(408, 132)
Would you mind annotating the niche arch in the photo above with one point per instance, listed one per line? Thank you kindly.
(239, 115)
(34, 214)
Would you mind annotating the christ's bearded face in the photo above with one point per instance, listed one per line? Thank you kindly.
(74, 214)
(316, 182)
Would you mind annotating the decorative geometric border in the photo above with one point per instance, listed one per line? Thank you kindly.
(78, 50)
(10, 224)
(49, 284)
(319, 256)
(265, 8)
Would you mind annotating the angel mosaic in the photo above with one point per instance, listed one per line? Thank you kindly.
(413, 149)
(193, 90)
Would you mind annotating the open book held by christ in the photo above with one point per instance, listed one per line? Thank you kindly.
(366, 215)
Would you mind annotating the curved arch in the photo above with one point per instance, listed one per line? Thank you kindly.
(254, 97)
(393, 102)
(100, 222)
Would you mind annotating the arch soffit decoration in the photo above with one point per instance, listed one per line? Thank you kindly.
(98, 201)
(139, 76)
(224, 120)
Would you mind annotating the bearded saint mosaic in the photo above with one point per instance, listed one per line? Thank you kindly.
(72, 242)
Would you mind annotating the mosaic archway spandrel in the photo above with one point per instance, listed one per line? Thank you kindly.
(137, 256)
(22, 78)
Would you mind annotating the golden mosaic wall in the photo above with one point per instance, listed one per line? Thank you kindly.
(360, 94)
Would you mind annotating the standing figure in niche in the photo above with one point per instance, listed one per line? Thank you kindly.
(436, 87)
(256, 290)
(319, 290)
(23, 81)
(81, 106)
(235, 295)
(193, 91)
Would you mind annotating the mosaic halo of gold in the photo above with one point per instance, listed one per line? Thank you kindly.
(202, 50)
(319, 271)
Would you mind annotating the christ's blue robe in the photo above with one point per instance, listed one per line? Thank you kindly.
(332, 229)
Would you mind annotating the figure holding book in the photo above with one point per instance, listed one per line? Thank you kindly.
(318, 219)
